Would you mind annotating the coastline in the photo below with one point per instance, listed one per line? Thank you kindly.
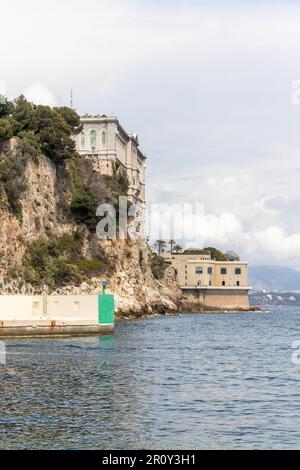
(185, 310)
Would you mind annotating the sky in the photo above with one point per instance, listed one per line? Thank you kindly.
(212, 88)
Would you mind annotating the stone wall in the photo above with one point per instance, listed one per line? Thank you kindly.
(221, 299)
(104, 166)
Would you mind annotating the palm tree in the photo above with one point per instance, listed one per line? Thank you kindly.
(171, 243)
(177, 248)
(160, 245)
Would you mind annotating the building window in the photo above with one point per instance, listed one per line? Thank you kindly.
(209, 283)
(199, 270)
(209, 270)
(223, 271)
(103, 135)
(223, 283)
(93, 138)
(82, 140)
(238, 271)
(237, 283)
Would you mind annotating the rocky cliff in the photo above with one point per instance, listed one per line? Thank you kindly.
(47, 242)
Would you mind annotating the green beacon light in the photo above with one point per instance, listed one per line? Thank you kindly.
(104, 285)
(106, 306)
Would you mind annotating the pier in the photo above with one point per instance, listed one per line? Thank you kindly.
(54, 315)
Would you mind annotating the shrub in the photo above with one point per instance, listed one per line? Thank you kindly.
(84, 210)
(13, 181)
(59, 261)
(92, 267)
(64, 273)
(122, 183)
(158, 266)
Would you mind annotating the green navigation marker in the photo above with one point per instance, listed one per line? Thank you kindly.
(106, 307)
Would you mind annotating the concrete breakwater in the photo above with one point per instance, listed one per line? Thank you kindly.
(47, 315)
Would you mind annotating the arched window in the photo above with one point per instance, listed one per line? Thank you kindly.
(82, 140)
(103, 134)
(93, 138)
(238, 271)
(223, 271)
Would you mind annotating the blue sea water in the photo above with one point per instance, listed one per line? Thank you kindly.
(193, 381)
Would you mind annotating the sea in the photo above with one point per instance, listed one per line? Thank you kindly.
(191, 381)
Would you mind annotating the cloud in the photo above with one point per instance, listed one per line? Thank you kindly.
(39, 94)
(206, 85)
(3, 88)
(278, 245)
(272, 243)
(189, 225)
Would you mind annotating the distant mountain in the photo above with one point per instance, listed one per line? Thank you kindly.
(272, 278)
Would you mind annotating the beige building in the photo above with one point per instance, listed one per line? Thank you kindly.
(210, 283)
(104, 141)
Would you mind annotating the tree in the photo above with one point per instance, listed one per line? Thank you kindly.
(160, 245)
(232, 256)
(215, 254)
(29, 145)
(6, 107)
(54, 132)
(171, 243)
(84, 210)
(6, 129)
(177, 248)
(71, 118)
(23, 113)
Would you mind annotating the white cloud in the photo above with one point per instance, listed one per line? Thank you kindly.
(3, 88)
(226, 232)
(220, 230)
(39, 94)
(272, 243)
(278, 245)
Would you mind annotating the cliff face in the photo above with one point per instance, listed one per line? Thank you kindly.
(43, 246)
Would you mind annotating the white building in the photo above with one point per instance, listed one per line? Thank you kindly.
(104, 141)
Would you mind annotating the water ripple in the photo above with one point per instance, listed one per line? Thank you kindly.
(194, 381)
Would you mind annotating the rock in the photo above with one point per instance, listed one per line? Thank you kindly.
(44, 210)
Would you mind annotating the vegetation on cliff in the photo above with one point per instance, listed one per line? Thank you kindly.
(58, 261)
(158, 266)
(38, 130)
(42, 130)
(214, 253)
(28, 132)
